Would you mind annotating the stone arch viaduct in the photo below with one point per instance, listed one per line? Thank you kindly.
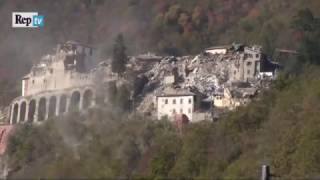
(40, 107)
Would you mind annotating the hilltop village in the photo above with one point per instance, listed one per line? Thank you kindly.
(184, 89)
(193, 87)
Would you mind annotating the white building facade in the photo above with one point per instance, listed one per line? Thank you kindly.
(170, 105)
(59, 83)
(68, 68)
(217, 50)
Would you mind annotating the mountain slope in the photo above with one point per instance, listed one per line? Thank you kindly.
(280, 129)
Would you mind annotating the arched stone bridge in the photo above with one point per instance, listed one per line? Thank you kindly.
(39, 107)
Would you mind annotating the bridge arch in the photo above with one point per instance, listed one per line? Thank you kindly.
(15, 113)
(75, 101)
(23, 110)
(63, 104)
(87, 98)
(32, 110)
(49, 104)
(42, 109)
(52, 106)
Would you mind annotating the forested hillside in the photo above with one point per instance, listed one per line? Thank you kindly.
(279, 128)
(164, 26)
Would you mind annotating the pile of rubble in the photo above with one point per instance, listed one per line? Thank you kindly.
(207, 73)
(227, 79)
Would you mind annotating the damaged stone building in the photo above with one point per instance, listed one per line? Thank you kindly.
(66, 80)
(57, 84)
(221, 77)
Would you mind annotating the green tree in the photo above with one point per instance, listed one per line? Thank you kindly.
(304, 21)
(119, 59)
(309, 25)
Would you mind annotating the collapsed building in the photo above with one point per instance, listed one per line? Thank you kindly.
(223, 77)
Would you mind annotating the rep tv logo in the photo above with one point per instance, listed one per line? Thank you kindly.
(27, 20)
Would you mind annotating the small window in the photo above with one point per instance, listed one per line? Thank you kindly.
(235, 72)
(174, 101)
(181, 111)
(189, 110)
(257, 55)
(249, 63)
(32, 81)
(44, 81)
(190, 100)
(181, 101)
(166, 101)
(248, 72)
(173, 110)
(51, 71)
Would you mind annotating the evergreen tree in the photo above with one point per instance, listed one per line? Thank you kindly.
(309, 48)
(120, 58)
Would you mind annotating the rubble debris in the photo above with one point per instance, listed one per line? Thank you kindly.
(228, 76)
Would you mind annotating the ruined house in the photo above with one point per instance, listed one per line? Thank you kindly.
(218, 69)
(234, 97)
(246, 64)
